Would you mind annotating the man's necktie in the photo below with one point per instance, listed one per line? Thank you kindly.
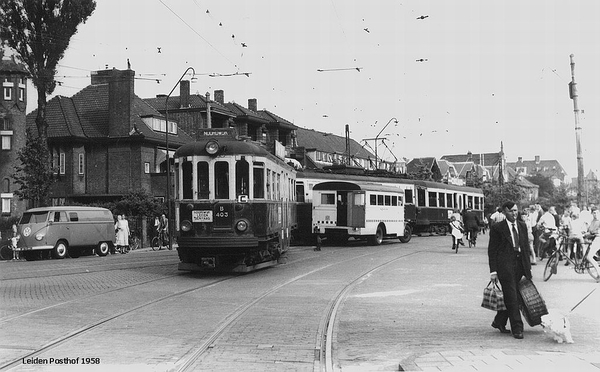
(515, 238)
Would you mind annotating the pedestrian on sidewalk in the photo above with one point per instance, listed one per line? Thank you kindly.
(508, 254)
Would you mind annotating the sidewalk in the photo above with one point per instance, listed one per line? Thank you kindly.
(425, 315)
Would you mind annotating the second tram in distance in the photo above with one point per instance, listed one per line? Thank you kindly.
(234, 204)
(428, 205)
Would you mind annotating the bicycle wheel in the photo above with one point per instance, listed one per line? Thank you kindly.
(551, 266)
(134, 243)
(155, 243)
(6, 252)
(592, 270)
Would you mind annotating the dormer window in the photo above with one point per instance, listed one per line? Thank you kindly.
(159, 124)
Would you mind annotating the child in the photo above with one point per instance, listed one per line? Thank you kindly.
(457, 232)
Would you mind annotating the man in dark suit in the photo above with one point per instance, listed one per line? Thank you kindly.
(471, 222)
(508, 254)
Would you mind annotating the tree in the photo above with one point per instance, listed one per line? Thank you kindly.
(496, 195)
(546, 186)
(39, 31)
(33, 175)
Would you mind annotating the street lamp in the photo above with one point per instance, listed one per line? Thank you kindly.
(169, 228)
(377, 139)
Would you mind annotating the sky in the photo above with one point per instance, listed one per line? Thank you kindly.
(458, 76)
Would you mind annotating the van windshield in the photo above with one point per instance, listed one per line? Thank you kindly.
(35, 217)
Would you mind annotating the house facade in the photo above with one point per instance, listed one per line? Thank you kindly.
(105, 141)
(13, 105)
(547, 168)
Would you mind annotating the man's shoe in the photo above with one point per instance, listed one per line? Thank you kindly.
(518, 335)
(502, 329)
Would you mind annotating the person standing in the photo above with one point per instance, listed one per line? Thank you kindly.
(590, 236)
(122, 229)
(456, 232)
(14, 240)
(508, 255)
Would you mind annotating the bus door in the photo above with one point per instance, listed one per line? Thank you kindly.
(342, 208)
(356, 210)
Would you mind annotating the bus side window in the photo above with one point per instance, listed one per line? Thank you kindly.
(328, 199)
(73, 216)
(359, 199)
(372, 199)
(394, 201)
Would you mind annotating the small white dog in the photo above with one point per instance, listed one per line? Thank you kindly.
(558, 326)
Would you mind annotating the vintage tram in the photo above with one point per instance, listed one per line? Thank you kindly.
(428, 205)
(235, 203)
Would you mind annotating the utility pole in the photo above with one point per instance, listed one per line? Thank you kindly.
(573, 96)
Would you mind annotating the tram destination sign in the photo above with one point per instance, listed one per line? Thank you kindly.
(202, 216)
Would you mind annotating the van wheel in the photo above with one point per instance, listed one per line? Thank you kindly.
(102, 249)
(378, 238)
(60, 250)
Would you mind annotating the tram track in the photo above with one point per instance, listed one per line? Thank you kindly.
(324, 340)
(323, 343)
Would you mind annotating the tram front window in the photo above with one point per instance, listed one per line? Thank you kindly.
(222, 180)
(242, 175)
(186, 169)
(259, 181)
(203, 188)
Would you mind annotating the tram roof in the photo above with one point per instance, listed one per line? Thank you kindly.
(351, 186)
(378, 179)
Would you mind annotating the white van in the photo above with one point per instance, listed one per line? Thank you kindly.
(62, 231)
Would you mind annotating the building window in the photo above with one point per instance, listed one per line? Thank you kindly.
(6, 142)
(81, 164)
(6, 202)
(146, 167)
(5, 124)
(21, 94)
(61, 163)
(8, 93)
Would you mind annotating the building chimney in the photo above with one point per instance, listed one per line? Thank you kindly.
(252, 104)
(208, 116)
(520, 159)
(220, 96)
(120, 99)
(184, 93)
(537, 159)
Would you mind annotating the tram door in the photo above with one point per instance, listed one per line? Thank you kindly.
(342, 208)
(356, 211)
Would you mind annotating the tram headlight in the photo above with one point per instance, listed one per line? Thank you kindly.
(186, 226)
(241, 225)
(212, 147)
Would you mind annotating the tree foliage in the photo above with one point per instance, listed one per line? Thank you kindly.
(39, 31)
(545, 184)
(496, 195)
(33, 175)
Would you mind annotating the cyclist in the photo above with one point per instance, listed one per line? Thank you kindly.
(590, 236)
(547, 238)
(577, 229)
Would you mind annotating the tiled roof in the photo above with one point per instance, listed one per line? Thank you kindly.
(10, 65)
(85, 116)
(281, 122)
(240, 110)
(327, 142)
(414, 165)
(547, 168)
(487, 159)
(196, 101)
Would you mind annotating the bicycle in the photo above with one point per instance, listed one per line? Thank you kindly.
(161, 239)
(134, 242)
(579, 262)
(6, 252)
(472, 237)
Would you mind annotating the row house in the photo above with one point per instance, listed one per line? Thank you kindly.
(106, 141)
(547, 168)
(13, 106)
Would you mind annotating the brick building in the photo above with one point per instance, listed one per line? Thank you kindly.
(13, 104)
(105, 141)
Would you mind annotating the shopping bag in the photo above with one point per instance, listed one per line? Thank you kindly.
(493, 298)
